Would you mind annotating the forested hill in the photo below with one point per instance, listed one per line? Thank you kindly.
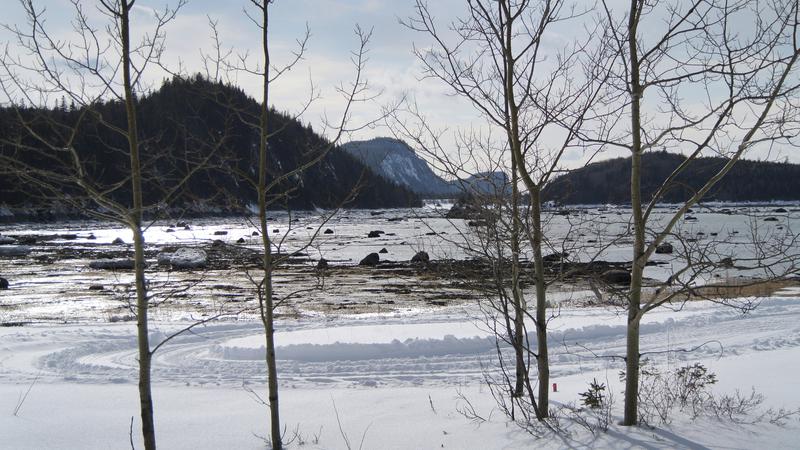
(609, 181)
(186, 125)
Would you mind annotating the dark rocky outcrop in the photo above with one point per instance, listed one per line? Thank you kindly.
(14, 250)
(464, 208)
(421, 257)
(664, 249)
(555, 258)
(112, 264)
(370, 260)
(616, 276)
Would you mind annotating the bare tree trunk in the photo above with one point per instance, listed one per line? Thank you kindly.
(519, 300)
(145, 356)
(639, 258)
(143, 341)
(266, 303)
(542, 362)
(631, 416)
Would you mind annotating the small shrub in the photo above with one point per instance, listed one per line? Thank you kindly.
(594, 396)
(686, 388)
(598, 403)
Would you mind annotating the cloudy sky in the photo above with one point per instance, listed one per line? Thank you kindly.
(392, 68)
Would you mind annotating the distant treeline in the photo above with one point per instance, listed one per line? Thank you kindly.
(609, 181)
(186, 125)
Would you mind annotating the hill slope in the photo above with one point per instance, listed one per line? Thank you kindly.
(609, 181)
(191, 122)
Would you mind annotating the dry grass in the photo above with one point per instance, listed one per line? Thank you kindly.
(738, 288)
(747, 288)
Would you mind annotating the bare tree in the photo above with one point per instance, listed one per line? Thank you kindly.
(65, 155)
(495, 57)
(273, 184)
(702, 78)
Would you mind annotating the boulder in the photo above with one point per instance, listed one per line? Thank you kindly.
(3, 283)
(181, 224)
(26, 240)
(240, 240)
(664, 249)
(771, 219)
(375, 233)
(616, 276)
(220, 233)
(328, 231)
(383, 250)
(7, 240)
(169, 230)
(370, 260)
(254, 233)
(464, 209)
(164, 259)
(726, 262)
(554, 258)
(421, 257)
(188, 258)
(14, 250)
(112, 264)
(322, 264)
(118, 241)
(780, 210)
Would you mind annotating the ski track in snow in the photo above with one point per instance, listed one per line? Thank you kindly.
(215, 354)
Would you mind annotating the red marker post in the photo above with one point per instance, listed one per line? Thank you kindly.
(555, 387)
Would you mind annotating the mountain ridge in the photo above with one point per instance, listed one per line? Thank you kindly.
(396, 161)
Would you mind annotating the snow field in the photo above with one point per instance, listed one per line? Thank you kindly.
(382, 374)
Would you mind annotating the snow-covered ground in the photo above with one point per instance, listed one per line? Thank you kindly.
(394, 381)
(397, 379)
